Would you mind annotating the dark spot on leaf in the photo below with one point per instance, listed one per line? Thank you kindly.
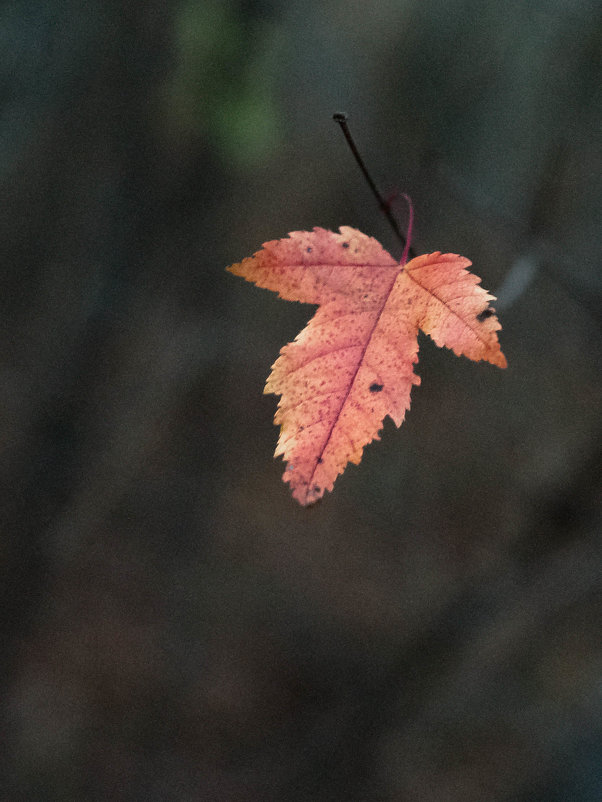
(309, 249)
(345, 245)
(320, 460)
(485, 314)
(376, 388)
(301, 428)
(316, 488)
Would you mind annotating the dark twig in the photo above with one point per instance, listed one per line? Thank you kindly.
(341, 119)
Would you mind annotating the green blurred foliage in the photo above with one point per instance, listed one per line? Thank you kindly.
(223, 86)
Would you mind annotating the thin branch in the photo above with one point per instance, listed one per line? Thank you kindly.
(341, 119)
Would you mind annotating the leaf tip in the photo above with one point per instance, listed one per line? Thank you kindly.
(501, 362)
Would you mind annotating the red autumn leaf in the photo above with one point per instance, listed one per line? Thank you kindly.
(353, 363)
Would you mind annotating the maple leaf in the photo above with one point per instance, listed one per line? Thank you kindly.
(353, 364)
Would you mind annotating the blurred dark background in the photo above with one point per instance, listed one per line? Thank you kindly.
(174, 626)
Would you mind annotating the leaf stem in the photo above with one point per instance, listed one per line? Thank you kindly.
(408, 249)
(341, 118)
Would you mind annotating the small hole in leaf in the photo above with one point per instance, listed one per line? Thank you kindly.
(316, 488)
(376, 388)
(309, 249)
(485, 314)
(320, 460)
(345, 245)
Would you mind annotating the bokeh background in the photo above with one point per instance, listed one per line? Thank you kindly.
(174, 626)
